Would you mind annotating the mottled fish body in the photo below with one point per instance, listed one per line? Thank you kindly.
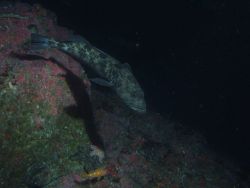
(113, 73)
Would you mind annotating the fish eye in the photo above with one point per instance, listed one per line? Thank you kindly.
(135, 94)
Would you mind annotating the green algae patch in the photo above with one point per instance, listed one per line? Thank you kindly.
(36, 146)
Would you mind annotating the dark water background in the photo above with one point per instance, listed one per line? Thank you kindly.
(191, 57)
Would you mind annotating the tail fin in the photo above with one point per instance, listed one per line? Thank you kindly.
(41, 42)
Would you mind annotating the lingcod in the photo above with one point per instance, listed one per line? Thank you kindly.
(111, 72)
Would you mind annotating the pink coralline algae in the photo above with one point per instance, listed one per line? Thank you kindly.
(46, 88)
(16, 24)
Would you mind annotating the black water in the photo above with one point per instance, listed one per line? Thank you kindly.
(191, 57)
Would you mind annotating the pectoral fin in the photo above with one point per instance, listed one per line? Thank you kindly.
(101, 82)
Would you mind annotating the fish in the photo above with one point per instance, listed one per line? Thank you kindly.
(111, 72)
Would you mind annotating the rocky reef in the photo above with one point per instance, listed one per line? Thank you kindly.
(56, 130)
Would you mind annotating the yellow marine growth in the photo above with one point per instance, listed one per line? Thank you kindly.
(95, 174)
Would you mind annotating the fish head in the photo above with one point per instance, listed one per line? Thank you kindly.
(131, 92)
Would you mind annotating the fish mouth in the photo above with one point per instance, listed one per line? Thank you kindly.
(139, 109)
